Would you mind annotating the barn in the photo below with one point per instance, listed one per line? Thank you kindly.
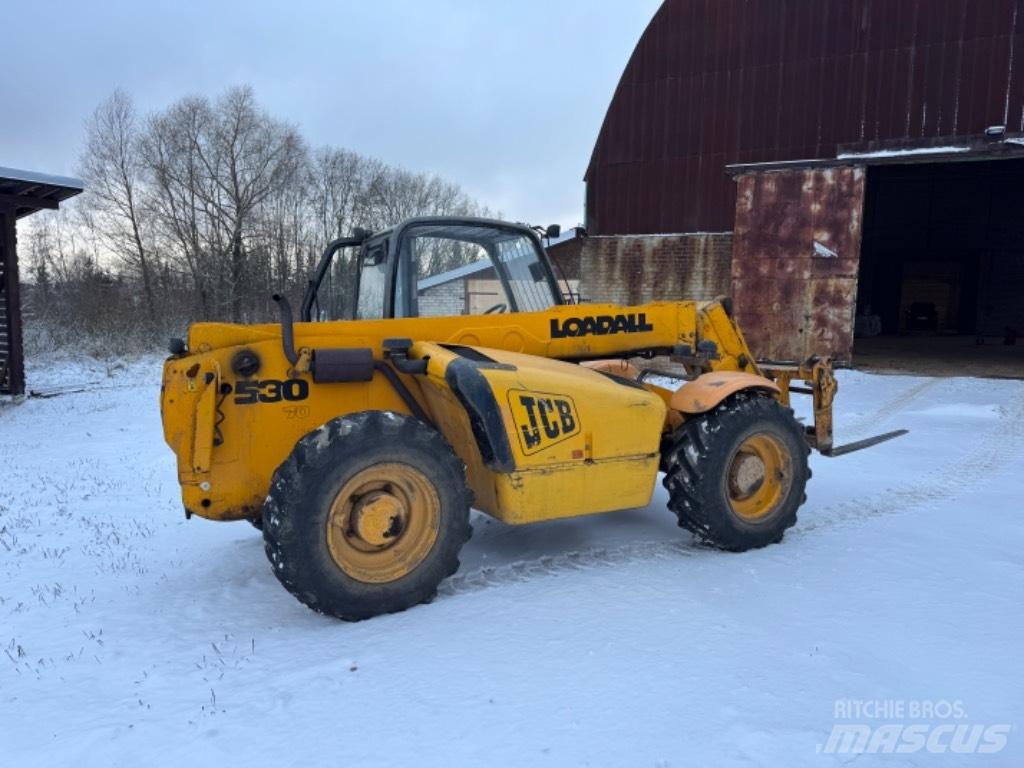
(22, 193)
(850, 171)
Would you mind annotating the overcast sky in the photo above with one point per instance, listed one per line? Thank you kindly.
(504, 97)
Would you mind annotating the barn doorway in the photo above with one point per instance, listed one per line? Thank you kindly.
(941, 275)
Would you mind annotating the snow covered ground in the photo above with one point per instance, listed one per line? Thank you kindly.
(132, 637)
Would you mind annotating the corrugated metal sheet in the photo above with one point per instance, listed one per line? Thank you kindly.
(796, 249)
(716, 82)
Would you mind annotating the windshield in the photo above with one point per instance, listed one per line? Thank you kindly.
(469, 269)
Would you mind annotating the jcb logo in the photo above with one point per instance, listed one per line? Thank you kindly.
(542, 419)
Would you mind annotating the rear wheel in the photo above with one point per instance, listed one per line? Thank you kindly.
(367, 515)
(736, 475)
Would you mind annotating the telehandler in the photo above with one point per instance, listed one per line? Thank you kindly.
(437, 366)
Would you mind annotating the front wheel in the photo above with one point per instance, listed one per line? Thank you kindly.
(736, 475)
(367, 515)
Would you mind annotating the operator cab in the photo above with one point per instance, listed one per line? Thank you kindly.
(433, 267)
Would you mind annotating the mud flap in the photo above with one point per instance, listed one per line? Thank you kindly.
(477, 397)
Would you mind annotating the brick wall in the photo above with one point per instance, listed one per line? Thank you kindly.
(633, 269)
(626, 269)
(443, 300)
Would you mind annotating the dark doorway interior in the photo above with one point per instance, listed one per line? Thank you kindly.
(942, 266)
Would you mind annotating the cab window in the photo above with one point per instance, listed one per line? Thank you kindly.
(463, 269)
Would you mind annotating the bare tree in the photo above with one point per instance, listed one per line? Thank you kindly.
(203, 209)
(182, 211)
(338, 184)
(111, 166)
(246, 156)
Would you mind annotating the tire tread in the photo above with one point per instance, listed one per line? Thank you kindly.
(291, 501)
(692, 462)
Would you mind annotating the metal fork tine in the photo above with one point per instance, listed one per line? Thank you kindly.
(866, 443)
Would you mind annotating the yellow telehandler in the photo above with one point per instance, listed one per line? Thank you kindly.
(437, 366)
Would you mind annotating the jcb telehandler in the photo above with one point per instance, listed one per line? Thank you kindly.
(436, 365)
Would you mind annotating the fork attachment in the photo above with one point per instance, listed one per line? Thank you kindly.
(820, 383)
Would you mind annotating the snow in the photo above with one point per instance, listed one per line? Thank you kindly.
(132, 637)
(962, 411)
(35, 177)
(903, 152)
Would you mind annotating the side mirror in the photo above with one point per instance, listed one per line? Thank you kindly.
(553, 231)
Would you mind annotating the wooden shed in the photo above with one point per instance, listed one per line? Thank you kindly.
(22, 193)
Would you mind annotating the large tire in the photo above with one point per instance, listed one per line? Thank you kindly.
(736, 475)
(367, 515)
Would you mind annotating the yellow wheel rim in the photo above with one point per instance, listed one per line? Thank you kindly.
(759, 477)
(383, 523)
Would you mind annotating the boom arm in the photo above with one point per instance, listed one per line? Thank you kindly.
(702, 336)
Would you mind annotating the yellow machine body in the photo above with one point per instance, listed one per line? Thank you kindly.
(578, 441)
(541, 436)
(359, 446)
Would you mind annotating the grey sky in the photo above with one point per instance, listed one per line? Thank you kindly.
(505, 98)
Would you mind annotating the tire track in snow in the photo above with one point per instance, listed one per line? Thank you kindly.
(989, 451)
(527, 570)
(891, 407)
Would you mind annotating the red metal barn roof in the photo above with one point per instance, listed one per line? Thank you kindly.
(718, 82)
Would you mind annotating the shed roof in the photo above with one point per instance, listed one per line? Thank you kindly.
(28, 191)
(455, 274)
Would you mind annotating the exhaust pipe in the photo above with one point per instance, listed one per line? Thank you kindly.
(287, 328)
